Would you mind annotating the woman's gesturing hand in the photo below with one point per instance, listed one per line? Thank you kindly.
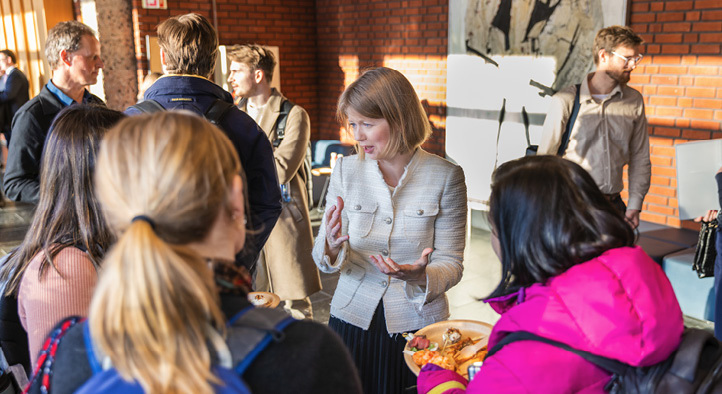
(334, 240)
(415, 272)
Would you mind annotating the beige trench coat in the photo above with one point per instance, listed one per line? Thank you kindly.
(291, 271)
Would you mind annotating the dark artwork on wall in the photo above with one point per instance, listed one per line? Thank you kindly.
(563, 29)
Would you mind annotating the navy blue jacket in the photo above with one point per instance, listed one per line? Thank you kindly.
(12, 98)
(264, 196)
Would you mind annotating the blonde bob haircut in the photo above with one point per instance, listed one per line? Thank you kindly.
(384, 93)
(156, 308)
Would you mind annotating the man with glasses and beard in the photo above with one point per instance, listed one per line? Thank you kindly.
(610, 130)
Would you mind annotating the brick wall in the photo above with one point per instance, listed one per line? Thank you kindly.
(289, 25)
(410, 36)
(681, 80)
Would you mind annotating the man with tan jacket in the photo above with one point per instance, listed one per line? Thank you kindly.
(285, 266)
(610, 130)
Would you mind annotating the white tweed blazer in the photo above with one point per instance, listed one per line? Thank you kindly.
(426, 209)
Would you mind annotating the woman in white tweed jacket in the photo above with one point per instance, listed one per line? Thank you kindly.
(395, 228)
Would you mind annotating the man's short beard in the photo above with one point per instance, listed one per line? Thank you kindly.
(619, 76)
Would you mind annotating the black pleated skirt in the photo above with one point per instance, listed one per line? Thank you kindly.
(378, 355)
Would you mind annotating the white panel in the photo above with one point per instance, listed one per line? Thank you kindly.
(697, 164)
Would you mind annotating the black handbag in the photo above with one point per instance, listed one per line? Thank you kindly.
(706, 252)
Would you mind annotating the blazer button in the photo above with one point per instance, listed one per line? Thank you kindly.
(357, 207)
(383, 283)
(385, 252)
(420, 212)
(388, 220)
(348, 271)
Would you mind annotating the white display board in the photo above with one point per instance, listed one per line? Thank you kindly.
(697, 164)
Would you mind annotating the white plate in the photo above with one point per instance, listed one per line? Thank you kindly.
(434, 333)
(270, 300)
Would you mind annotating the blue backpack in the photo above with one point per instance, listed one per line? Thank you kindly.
(249, 333)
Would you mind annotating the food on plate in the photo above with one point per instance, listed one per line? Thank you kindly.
(260, 300)
(459, 351)
(419, 343)
(452, 335)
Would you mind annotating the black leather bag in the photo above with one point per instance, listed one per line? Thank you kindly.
(706, 252)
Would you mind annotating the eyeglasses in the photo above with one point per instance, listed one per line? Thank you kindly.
(626, 59)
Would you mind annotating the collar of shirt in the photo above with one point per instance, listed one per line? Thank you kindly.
(585, 94)
(64, 98)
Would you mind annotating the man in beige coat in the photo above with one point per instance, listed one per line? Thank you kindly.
(285, 266)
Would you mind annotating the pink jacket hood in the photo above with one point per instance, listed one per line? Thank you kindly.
(619, 305)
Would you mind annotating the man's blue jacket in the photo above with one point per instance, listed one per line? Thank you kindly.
(197, 94)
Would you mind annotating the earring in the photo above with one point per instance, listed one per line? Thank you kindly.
(234, 217)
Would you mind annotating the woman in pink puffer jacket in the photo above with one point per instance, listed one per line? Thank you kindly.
(571, 274)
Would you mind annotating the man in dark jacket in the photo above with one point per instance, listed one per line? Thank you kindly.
(73, 53)
(15, 91)
(188, 52)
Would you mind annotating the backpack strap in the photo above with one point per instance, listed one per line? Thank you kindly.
(570, 123)
(148, 106)
(90, 351)
(286, 107)
(46, 357)
(217, 111)
(251, 331)
(615, 367)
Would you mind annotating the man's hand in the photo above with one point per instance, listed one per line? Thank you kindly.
(711, 214)
(632, 216)
(415, 272)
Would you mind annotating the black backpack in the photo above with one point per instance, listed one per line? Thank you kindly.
(305, 169)
(695, 367)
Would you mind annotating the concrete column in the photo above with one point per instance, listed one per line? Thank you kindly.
(112, 20)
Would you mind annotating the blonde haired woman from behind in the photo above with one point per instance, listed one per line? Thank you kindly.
(170, 187)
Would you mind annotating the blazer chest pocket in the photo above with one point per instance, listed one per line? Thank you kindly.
(348, 284)
(360, 218)
(419, 222)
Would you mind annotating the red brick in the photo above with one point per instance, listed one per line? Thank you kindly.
(666, 111)
(670, 91)
(665, 80)
(670, 17)
(703, 4)
(684, 102)
(681, 26)
(707, 26)
(668, 38)
(651, 217)
(705, 124)
(678, 5)
(700, 92)
(708, 15)
(654, 199)
(675, 49)
(709, 48)
(662, 191)
(708, 103)
(705, 70)
(691, 37)
(656, 6)
(663, 151)
(673, 70)
(709, 81)
(692, 16)
(640, 7)
(657, 141)
(665, 101)
(698, 113)
(695, 134)
(643, 18)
